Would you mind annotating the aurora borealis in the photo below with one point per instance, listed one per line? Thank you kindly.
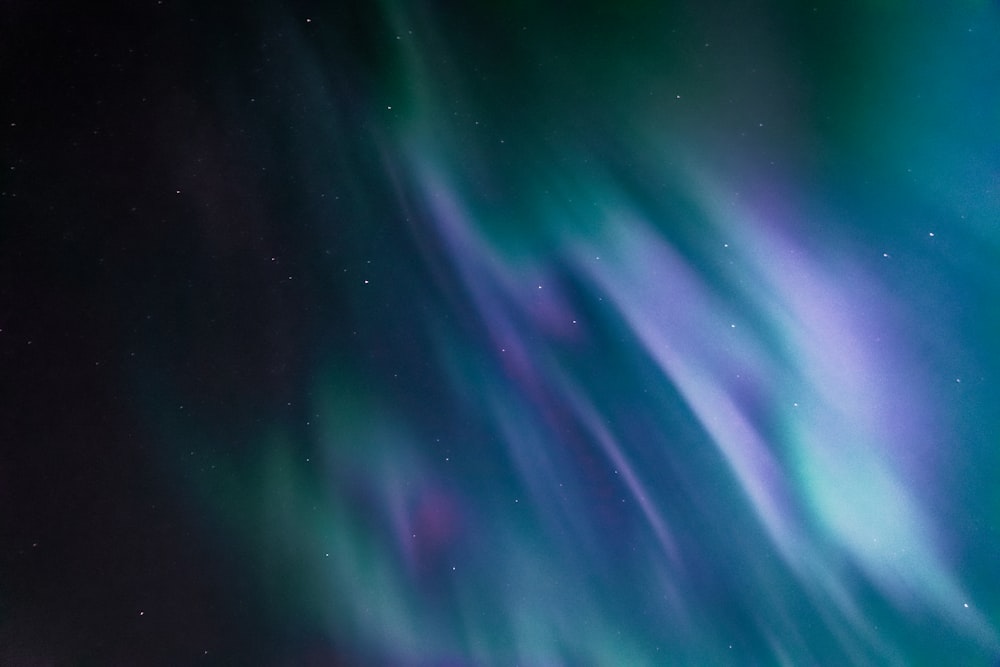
(423, 334)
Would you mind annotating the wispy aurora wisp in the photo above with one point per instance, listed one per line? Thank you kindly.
(678, 402)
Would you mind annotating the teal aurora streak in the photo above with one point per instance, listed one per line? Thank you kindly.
(674, 337)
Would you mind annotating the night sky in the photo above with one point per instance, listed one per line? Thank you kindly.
(454, 334)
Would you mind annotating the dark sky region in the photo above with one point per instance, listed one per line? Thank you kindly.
(475, 333)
